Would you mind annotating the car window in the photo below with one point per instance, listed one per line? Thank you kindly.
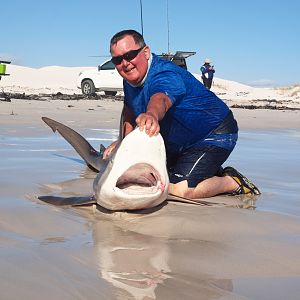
(180, 62)
(108, 66)
(179, 58)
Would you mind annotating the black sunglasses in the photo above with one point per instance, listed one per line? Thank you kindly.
(128, 56)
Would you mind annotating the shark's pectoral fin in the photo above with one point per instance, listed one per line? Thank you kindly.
(68, 201)
(92, 157)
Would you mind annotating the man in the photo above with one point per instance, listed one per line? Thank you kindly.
(198, 128)
(207, 73)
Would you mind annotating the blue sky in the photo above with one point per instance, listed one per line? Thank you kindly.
(249, 41)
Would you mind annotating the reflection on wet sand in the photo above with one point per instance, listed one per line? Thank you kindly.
(138, 266)
(194, 252)
(131, 262)
(136, 259)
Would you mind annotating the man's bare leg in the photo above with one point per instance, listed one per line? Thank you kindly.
(207, 188)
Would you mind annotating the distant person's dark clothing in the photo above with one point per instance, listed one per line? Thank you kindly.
(207, 74)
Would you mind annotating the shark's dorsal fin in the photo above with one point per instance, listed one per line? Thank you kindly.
(102, 149)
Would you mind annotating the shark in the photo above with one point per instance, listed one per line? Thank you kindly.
(133, 177)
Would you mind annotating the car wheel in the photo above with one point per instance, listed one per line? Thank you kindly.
(110, 93)
(88, 87)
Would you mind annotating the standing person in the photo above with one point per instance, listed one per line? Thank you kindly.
(207, 73)
(198, 128)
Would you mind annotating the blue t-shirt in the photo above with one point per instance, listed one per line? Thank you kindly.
(195, 110)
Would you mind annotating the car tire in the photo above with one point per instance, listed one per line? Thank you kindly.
(110, 93)
(88, 87)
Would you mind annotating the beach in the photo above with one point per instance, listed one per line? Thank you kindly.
(75, 226)
(236, 248)
(227, 248)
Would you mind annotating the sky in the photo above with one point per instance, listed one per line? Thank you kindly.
(256, 42)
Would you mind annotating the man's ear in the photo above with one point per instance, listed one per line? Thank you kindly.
(147, 51)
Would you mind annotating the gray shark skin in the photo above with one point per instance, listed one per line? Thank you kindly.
(133, 177)
(92, 157)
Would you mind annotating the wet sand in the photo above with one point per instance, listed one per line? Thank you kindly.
(177, 251)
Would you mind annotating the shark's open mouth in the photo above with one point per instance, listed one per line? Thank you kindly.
(140, 179)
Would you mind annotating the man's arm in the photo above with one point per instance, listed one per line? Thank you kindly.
(128, 120)
(157, 107)
(127, 125)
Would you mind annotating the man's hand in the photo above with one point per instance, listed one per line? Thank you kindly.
(110, 149)
(148, 122)
(157, 107)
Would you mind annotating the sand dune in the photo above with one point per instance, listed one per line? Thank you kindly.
(50, 79)
(53, 79)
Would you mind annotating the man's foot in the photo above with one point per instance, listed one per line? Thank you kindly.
(245, 185)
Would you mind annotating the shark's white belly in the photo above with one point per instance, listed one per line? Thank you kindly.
(136, 175)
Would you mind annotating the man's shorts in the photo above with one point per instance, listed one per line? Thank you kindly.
(196, 164)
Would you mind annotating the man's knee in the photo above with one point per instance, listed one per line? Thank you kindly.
(205, 189)
(181, 189)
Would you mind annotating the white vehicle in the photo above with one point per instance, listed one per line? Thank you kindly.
(106, 78)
